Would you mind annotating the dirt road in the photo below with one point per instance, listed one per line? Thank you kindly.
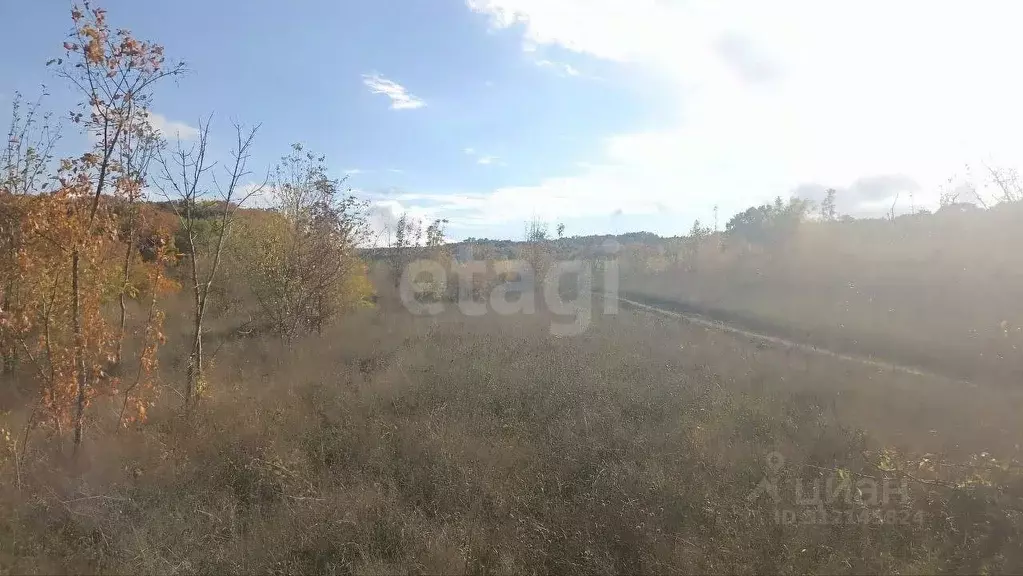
(880, 364)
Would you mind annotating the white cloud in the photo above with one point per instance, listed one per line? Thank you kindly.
(171, 129)
(561, 68)
(254, 195)
(399, 95)
(766, 96)
(382, 217)
(384, 213)
(617, 30)
(482, 159)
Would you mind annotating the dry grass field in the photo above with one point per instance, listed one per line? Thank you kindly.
(202, 373)
(938, 291)
(211, 363)
(455, 444)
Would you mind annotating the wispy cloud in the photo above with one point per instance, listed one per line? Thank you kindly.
(742, 55)
(483, 159)
(169, 129)
(400, 97)
(749, 99)
(561, 68)
(172, 129)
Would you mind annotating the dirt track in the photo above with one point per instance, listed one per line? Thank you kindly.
(881, 364)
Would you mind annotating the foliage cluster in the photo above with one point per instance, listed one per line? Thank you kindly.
(87, 259)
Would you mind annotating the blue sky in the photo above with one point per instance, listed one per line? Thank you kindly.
(607, 115)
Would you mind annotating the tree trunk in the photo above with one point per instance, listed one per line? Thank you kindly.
(76, 319)
(195, 358)
(10, 349)
(124, 287)
(120, 331)
(11, 305)
(195, 365)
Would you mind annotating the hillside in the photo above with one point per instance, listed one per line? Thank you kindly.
(934, 290)
(931, 290)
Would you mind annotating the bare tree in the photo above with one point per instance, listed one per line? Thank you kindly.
(948, 198)
(828, 205)
(196, 198)
(29, 150)
(537, 248)
(408, 232)
(1008, 182)
(891, 211)
(435, 233)
(23, 161)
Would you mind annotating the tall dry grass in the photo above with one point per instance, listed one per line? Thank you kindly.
(478, 445)
(939, 291)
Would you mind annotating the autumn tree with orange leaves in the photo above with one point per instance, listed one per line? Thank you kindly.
(67, 264)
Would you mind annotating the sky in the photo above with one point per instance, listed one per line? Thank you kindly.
(608, 116)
